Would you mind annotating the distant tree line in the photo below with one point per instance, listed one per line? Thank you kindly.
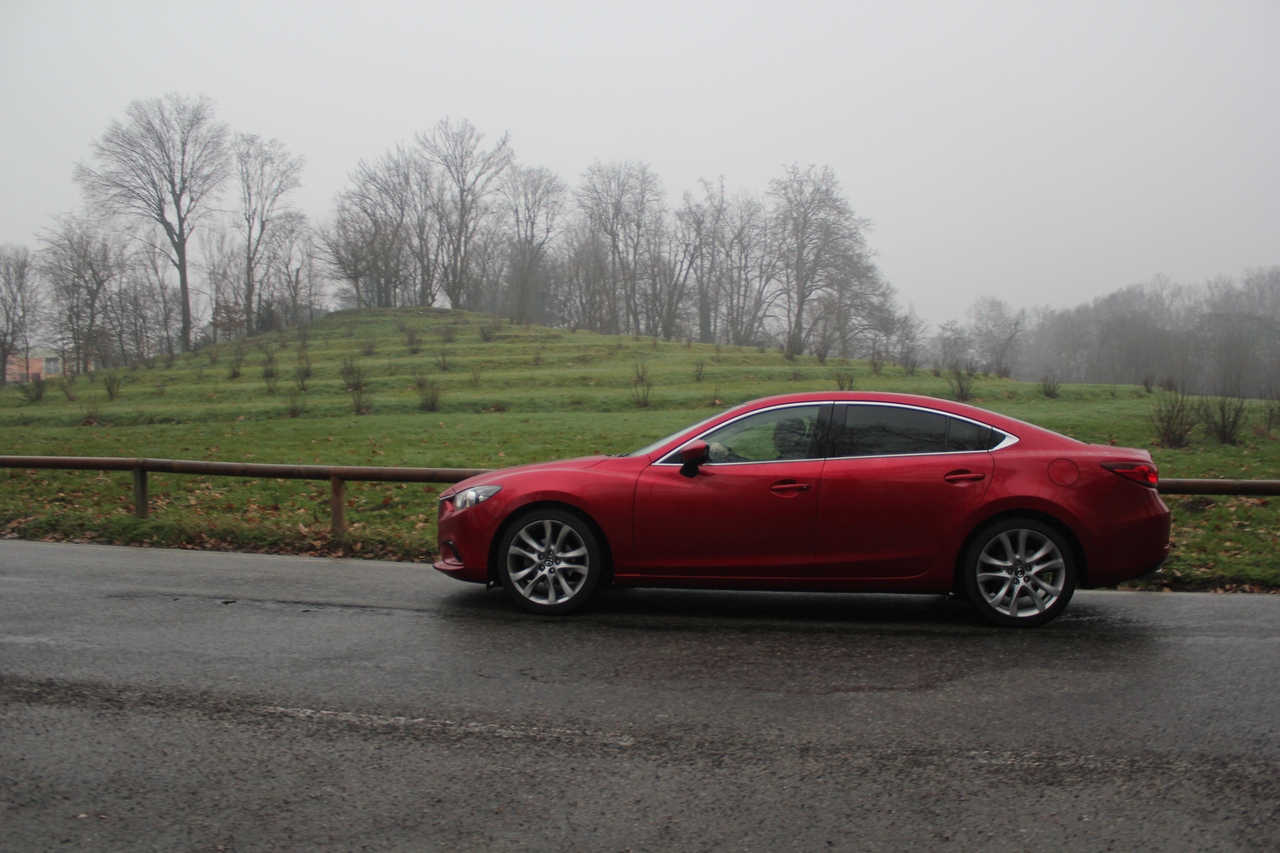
(188, 236)
(448, 221)
(1219, 338)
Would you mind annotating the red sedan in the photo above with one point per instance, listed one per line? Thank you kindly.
(820, 491)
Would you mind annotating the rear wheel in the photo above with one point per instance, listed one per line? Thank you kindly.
(1019, 573)
(549, 561)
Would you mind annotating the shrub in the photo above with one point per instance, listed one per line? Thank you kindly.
(876, 360)
(428, 392)
(111, 381)
(66, 384)
(354, 375)
(1271, 412)
(845, 380)
(1174, 417)
(34, 390)
(961, 380)
(237, 363)
(641, 386)
(295, 405)
(1225, 417)
(1049, 385)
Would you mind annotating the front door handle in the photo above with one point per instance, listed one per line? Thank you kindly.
(964, 477)
(790, 489)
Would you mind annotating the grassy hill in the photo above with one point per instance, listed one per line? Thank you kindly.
(453, 389)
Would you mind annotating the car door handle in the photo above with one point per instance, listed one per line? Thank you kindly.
(964, 477)
(790, 488)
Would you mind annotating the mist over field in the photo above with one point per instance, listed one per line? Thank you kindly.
(636, 167)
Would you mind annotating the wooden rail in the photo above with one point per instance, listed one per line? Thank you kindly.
(338, 475)
(1265, 488)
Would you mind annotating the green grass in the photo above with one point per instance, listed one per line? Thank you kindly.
(525, 394)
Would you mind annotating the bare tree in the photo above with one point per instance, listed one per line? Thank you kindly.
(672, 256)
(296, 293)
(158, 303)
(467, 182)
(746, 272)
(488, 269)
(534, 201)
(909, 341)
(818, 241)
(165, 164)
(367, 243)
(423, 232)
(266, 172)
(19, 304)
(82, 259)
(996, 331)
(622, 204)
(705, 219)
(221, 260)
(582, 283)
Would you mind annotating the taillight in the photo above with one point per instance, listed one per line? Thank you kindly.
(1142, 473)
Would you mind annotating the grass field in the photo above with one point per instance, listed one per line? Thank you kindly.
(478, 393)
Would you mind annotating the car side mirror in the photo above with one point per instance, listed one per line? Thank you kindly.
(693, 455)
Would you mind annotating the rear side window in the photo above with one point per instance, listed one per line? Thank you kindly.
(966, 435)
(896, 431)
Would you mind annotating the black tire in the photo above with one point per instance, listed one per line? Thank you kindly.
(1019, 573)
(549, 561)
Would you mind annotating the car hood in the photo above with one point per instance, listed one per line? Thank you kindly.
(497, 475)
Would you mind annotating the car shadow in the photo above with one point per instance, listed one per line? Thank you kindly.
(640, 608)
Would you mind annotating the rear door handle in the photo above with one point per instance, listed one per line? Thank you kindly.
(963, 477)
(790, 488)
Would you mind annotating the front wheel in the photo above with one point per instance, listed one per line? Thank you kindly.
(549, 562)
(1019, 573)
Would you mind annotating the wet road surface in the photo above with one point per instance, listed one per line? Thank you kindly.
(182, 700)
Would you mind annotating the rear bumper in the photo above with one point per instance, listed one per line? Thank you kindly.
(1140, 547)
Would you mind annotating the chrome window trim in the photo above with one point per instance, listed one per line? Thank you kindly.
(1008, 441)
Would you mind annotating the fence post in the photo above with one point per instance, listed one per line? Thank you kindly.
(337, 507)
(140, 492)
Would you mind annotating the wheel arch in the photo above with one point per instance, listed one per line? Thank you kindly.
(1073, 542)
(606, 550)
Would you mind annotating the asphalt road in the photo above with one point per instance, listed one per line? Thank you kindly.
(168, 700)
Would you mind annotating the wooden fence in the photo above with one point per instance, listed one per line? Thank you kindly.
(339, 475)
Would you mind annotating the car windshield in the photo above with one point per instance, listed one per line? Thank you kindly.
(649, 448)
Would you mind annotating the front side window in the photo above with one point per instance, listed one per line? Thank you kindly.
(771, 436)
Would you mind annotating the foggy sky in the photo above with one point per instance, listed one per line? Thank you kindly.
(1041, 152)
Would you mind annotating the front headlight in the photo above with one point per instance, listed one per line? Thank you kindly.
(470, 497)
